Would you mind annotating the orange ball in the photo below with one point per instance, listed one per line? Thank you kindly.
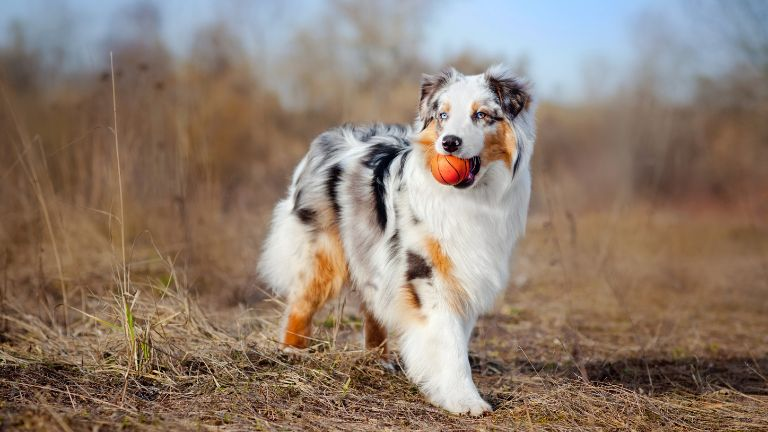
(450, 170)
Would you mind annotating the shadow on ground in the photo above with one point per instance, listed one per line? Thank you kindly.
(652, 375)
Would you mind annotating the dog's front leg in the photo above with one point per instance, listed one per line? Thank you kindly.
(436, 358)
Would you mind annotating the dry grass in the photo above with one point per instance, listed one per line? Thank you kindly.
(665, 332)
(127, 299)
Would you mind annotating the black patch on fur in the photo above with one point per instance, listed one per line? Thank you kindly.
(379, 159)
(394, 245)
(306, 215)
(510, 94)
(331, 185)
(403, 159)
(417, 267)
(430, 86)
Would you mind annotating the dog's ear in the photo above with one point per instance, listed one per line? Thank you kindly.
(430, 86)
(512, 95)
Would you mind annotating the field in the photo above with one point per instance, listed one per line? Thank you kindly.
(139, 167)
(648, 320)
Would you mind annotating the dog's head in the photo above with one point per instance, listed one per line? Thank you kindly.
(476, 117)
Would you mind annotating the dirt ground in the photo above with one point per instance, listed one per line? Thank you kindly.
(632, 320)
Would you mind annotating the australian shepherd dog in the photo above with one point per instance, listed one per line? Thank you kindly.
(364, 212)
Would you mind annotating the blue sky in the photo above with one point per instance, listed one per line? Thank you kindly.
(558, 37)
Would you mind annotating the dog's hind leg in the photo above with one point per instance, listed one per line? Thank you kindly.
(303, 263)
(375, 333)
(320, 280)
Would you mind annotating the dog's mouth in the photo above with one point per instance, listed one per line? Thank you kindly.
(474, 168)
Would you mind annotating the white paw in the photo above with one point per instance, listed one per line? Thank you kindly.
(294, 353)
(475, 406)
(389, 365)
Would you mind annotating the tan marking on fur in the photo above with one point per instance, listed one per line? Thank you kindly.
(409, 305)
(329, 273)
(411, 296)
(426, 139)
(375, 334)
(475, 107)
(330, 267)
(456, 296)
(298, 330)
(429, 135)
(500, 145)
(479, 107)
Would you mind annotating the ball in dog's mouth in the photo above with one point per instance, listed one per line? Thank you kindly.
(454, 171)
(474, 168)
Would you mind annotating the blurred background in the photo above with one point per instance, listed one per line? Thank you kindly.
(652, 114)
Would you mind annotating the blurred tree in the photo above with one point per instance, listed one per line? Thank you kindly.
(743, 24)
(351, 62)
(136, 40)
(20, 63)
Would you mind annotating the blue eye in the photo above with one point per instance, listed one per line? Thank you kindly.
(442, 116)
(480, 115)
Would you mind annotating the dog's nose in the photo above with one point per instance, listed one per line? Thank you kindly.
(451, 143)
